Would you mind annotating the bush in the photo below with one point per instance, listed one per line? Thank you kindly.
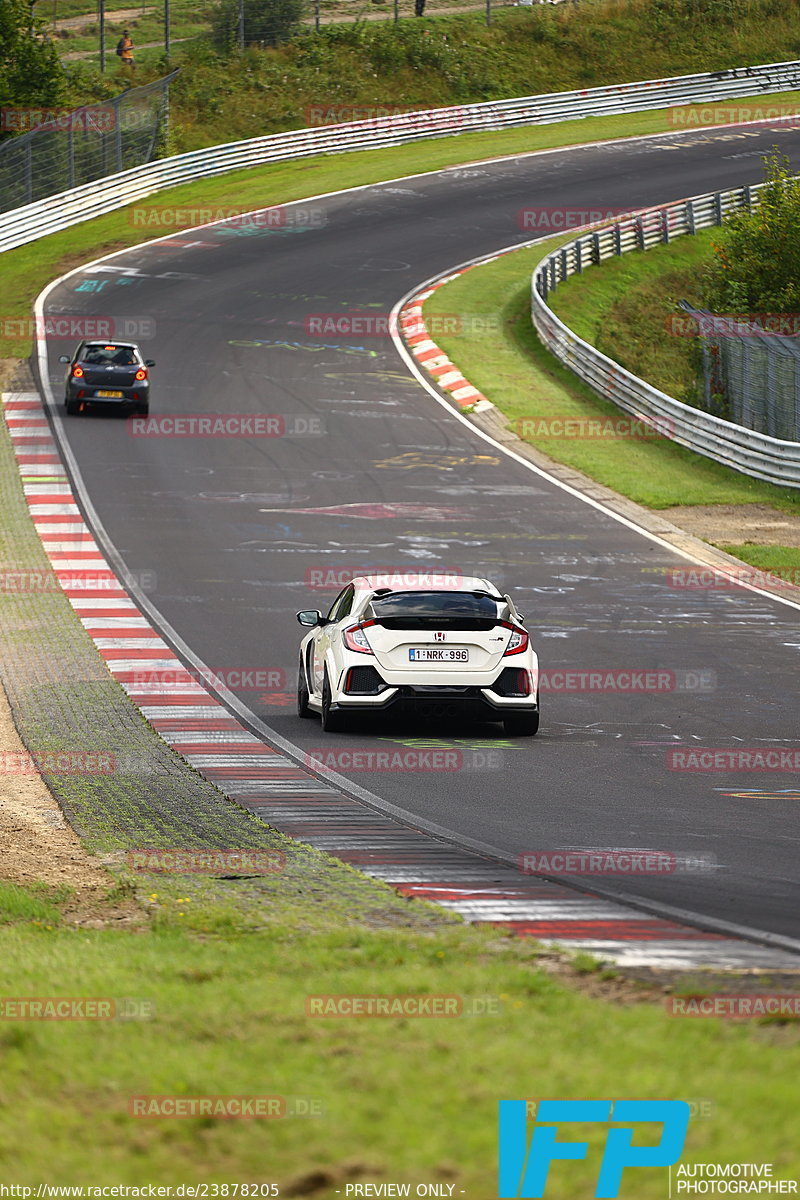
(30, 72)
(756, 263)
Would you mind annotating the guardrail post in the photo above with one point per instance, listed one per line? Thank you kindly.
(563, 257)
(639, 226)
(748, 198)
(553, 280)
(578, 258)
(541, 284)
(618, 239)
(690, 216)
(118, 136)
(717, 208)
(71, 156)
(665, 225)
(596, 249)
(28, 174)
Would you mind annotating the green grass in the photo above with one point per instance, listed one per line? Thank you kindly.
(24, 272)
(26, 904)
(444, 59)
(626, 308)
(783, 561)
(402, 1099)
(526, 382)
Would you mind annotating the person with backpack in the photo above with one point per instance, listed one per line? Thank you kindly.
(125, 49)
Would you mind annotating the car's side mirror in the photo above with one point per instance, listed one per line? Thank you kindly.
(63, 358)
(148, 362)
(310, 617)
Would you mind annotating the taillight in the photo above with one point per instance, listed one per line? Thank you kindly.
(356, 639)
(141, 373)
(77, 372)
(518, 642)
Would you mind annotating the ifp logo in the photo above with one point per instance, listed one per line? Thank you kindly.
(524, 1166)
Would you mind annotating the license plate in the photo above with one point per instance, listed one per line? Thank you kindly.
(110, 395)
(435, 654)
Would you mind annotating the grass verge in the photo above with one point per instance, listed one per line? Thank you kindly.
(530, 387)
(626, 309)
(25, 271)
(444, 59)
(226, 1015)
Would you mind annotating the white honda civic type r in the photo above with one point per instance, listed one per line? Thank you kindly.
(419, 643)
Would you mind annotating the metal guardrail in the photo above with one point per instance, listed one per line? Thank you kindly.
(746, 450)
(36, 220)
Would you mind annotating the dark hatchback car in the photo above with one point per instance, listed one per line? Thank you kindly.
(107, 373)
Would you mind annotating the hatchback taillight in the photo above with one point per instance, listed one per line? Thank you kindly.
(356, 639)
(77, 372)
(141, 373)
(518, 642)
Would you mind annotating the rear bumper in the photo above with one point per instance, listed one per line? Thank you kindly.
(474, 701)
(88, 394)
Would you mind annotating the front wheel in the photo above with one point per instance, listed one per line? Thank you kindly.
(521, 724)
(332, 722)
(302, 691)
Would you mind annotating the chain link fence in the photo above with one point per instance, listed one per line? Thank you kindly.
(751, 369)
(65, 148)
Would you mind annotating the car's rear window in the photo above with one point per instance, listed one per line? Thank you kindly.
(419, 609)
(104, 356)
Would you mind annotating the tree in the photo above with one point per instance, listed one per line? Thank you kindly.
(266, 22)
(756, 262)
(30, 71)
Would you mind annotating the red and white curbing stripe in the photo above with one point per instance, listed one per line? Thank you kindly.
(291, 799)
(433, 360)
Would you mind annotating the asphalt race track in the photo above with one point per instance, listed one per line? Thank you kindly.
(231, 531)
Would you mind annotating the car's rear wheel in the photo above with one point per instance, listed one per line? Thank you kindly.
(332, 722)
(302, 691)
(521, 724)
(143, 410)
(71, 406)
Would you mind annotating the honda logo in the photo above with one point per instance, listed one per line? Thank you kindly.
(438, 637)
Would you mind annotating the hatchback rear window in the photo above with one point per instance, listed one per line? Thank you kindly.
(104, 356)
(412, 610)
